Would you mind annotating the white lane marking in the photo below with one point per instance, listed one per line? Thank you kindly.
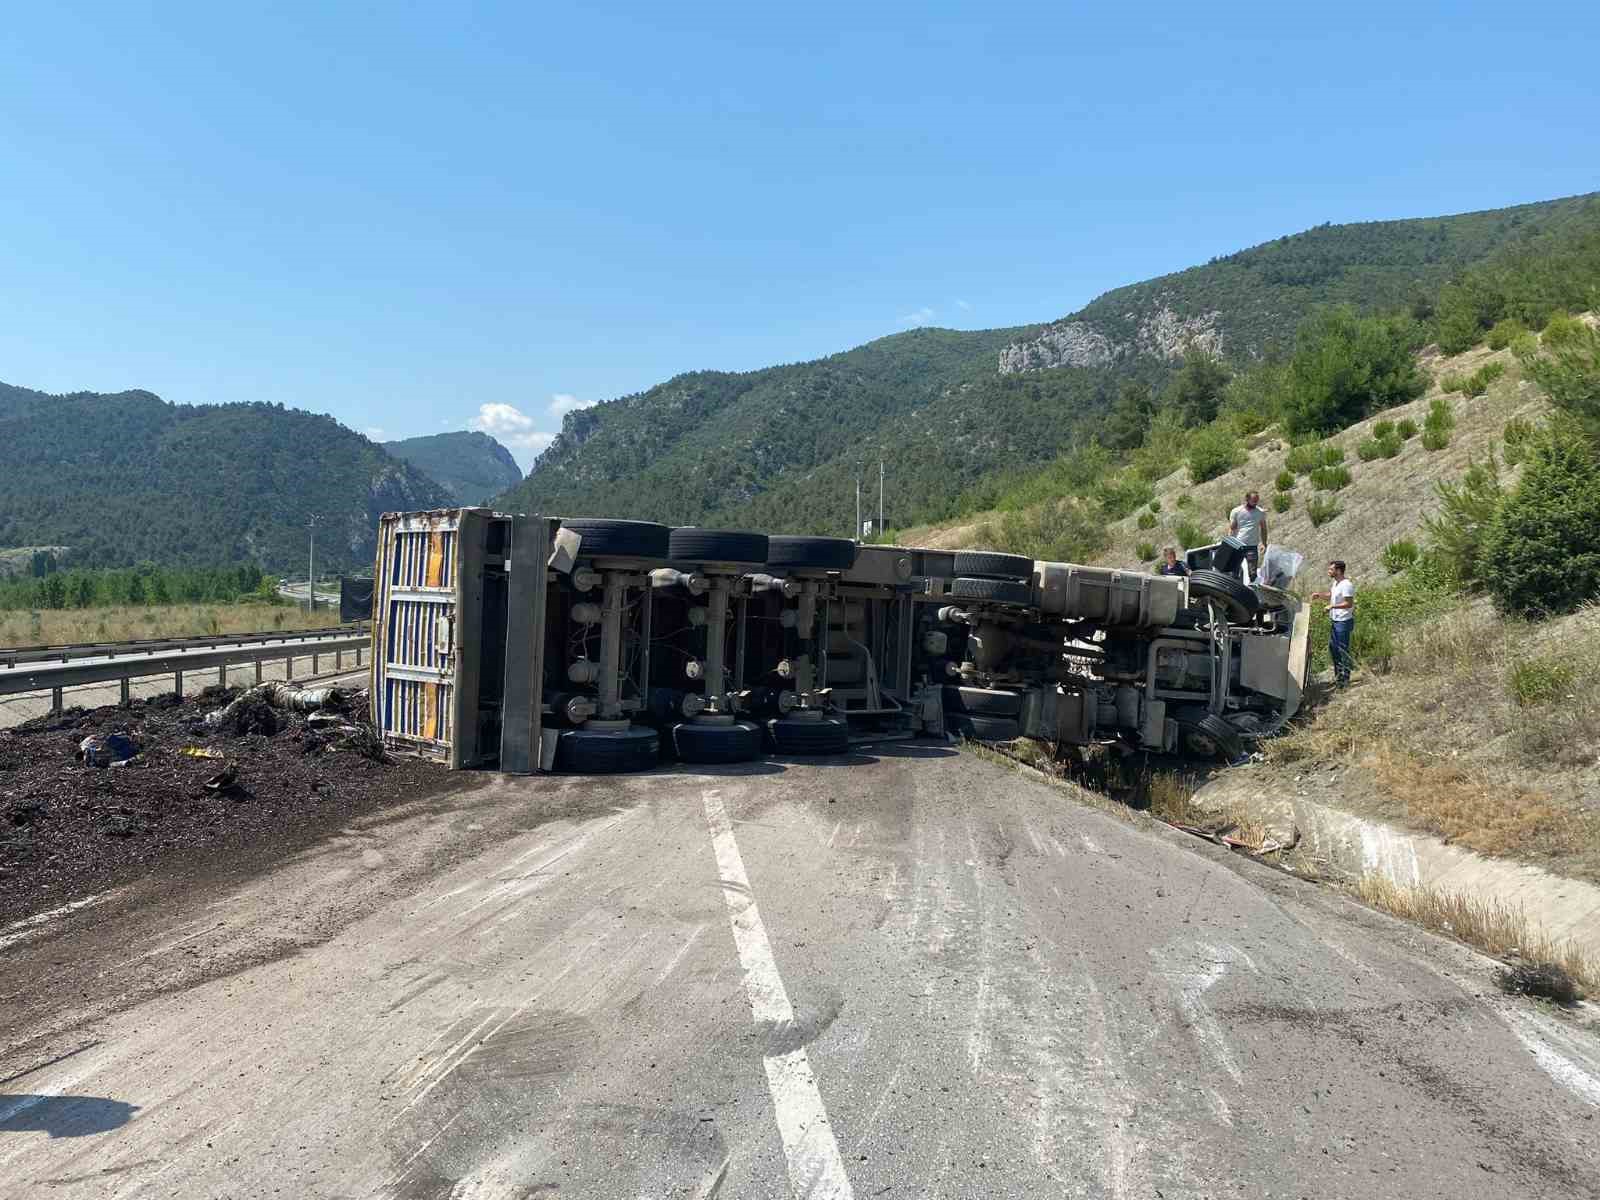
(816, 1171)
(29, 926)
(1574, 1077)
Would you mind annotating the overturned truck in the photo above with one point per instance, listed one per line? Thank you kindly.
(536, 643)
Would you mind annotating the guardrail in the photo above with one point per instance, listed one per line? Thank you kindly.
(11, 656)
(55, 676)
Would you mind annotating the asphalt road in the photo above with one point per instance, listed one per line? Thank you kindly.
(913, 975)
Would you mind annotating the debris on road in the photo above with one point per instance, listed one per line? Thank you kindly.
(194, 785)
(110, 750)
(1545, 980)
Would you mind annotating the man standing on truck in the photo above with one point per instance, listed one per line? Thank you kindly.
(1248, 523)
(1342, 620)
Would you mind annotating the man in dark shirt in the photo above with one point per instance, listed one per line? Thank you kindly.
(1171, 564)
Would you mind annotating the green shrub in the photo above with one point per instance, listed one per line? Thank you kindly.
(1304, 458)
(1567, 367)
(1400, 555)
(1213, 451)
(1383, 429)
(1147, 520)
(1457, 531)
(1122, 493)
(1285, 481)
(1330, 479)
(1392, 446)
(1184, 500)
(1440, 415)
(1534, 681)
(1453, 383)
(1543, 545)
(1370, 449)
(1332, 456)
(1155, 506)
(1346, 366)
(1435, 439)
(1478, 382)
(1504, 333)
(1146, 551)
(1282, 501)
(1518, 434)
(1064, 530)
(1407, 429)
(1322, 509)
(1188, 535)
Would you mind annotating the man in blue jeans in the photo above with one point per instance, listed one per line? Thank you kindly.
(1342, 620)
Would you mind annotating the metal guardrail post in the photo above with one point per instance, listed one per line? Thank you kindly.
(258, 670)
(177, 684)
(288, 667)
(55, 700)
(222, 676)
(316, 663)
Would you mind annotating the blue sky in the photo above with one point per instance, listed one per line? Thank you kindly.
(430, 217)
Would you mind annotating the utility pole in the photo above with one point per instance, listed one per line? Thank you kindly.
(311, 569)
(855, 535)
(880, 498)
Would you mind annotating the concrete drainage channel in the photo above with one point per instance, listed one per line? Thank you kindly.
(529, 643)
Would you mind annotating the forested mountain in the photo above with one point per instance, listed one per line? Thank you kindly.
(471, 466)
(128, 477)
(779, 448)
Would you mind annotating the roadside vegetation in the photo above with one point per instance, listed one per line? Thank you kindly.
(49, 606)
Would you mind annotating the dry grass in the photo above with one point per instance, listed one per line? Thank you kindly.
(1467, 809)
(121, 624)
(1496, 928)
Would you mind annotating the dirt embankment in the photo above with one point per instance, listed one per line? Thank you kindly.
(69, 829)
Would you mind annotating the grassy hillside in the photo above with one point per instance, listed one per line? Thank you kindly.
(779, 448)
(472, 467)
(128, 477)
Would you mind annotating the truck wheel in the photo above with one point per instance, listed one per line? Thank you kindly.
(990, 564)
(1210, 737)
(984, 729)
(1239, 601)
(811, 553)
(691, 545)
(700, 743)
(791, 735)
(992, 591)
(988, 702)
(607, 752)
(620, 539)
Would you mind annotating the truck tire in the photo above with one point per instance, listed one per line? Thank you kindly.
(604, 752)
(692, 545)
(990, 564)
(1210, 737)
(992, 591)
(811, 553)
(735, 743)
(620, 539)
(829, 735)
(1239, 601)
(986, 702)
(984, 729)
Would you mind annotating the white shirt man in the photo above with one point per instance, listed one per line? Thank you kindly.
(1248, 523)
(1342, 620)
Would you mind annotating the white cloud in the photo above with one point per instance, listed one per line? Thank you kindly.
(963, 306)
(513, 429)
(377, 433)
(921, 316)
(564, 402)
